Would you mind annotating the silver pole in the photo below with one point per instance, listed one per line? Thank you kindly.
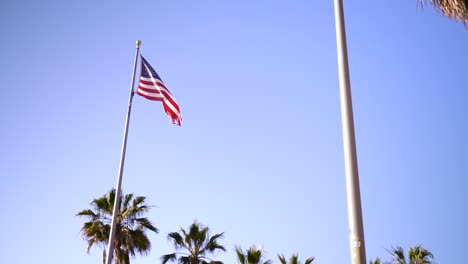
(356, 230)
(115, 212)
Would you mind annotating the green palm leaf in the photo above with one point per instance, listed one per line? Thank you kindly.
(168, 257)
(253, 255)
(416, 255)
(196, 242)
(131, 237)
(294, 259)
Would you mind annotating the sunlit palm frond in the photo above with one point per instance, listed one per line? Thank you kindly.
(416, 255)
(127, 199)
(454, 9)
(89, 213)
(420, 255)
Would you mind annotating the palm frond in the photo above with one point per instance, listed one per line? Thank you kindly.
(294, 259)
(177, 240)
(130, 237)
(196, 242)
(88, 212)
(194, 232)
(240, 255)
(454, 9)
(139, 242)
(398, 255)
(282, 259)
(90, 244)
(168, 257)
(188, 241)
(126, 201)
(202, 235)
(309, 260)
(420, 255)
(185, 260)
(213, 245)
(254, 255)
(144, 223)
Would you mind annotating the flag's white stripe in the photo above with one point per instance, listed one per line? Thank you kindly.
(169, 96)
(150, 87)
(151, 79)
(153, 86)
(155, 81)
(156, 91)
(157, 95)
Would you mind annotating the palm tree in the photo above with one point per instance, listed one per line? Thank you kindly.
(253, 255)
(294, 259)
(376, 261)
(416, 255)
(130, 235)
(197, 242)
(454, 9)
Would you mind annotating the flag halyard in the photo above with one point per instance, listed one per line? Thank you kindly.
(152, 87)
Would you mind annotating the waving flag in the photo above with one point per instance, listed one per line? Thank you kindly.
(152, 88)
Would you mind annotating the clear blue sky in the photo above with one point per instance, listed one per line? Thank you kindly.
(259, 155)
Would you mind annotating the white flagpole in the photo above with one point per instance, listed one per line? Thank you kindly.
(356, 229)
(110, 247)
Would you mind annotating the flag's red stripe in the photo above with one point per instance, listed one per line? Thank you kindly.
(150, 97)
(154, 87)
(173, 102)
(158, 83)
(149, 90)
(163, 94)
(171, 108)
(176, 119)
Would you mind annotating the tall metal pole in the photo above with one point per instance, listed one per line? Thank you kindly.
(356, 229)
(115, 213)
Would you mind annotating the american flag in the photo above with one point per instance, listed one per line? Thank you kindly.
(152, 88)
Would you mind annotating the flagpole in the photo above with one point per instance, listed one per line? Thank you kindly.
(356, 230)
(115, 212)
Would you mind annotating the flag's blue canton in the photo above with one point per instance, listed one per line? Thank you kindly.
(144, 71)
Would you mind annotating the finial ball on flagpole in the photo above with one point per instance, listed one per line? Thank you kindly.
(138, 42)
